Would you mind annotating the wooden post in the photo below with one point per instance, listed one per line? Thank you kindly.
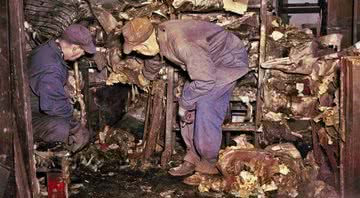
(157, 118)
(15, 113)
(262, 55)
(23, 137)
(7, 128)
(340, 19)
(79, 96)
(169, 118)
(355, 21)
(350, 125)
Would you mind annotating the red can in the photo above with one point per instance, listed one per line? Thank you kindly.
(57, 187)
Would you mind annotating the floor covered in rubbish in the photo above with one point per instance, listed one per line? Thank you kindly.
(299, 106)
(109, 170)
(127, 182)
(118, 177)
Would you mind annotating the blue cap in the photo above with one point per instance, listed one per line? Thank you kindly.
(80, 35)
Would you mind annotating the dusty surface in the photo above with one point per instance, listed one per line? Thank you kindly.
(119, 177)
(134, 183)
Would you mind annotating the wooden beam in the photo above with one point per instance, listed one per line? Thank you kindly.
(261, 72)
(7, 127)
(350, 164)
(355, 21)
(169, 145)
(157, 118)
(302, 10)
(340, 19)
(23, 136)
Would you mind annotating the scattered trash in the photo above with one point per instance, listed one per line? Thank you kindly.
(300, 84)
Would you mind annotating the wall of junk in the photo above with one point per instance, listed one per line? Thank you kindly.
(299, 109)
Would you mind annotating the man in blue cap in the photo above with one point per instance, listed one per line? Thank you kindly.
(52, 111)
(214, 59)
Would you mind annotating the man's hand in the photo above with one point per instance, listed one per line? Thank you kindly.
(186, 117)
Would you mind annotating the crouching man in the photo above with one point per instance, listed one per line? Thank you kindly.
(52, 111)
(214, 60)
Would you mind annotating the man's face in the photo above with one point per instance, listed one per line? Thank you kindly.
(73, 52)
(146, 50)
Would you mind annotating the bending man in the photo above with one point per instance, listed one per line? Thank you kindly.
(214, 60)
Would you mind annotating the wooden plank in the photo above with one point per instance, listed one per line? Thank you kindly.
(6, 116)
(23, 137)
(343, 74)
(340, 19)
(166, 155)
(87, 96)
(234, 127)
(4, 175)
(157, 118)
(355, 21)
(261, 72)
(300, 10)
(351, 158)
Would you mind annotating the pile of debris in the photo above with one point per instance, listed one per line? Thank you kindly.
(276, 171)
(300, 89)
(300, 93)
(111, 16)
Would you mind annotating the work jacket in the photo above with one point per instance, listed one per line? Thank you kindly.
(211, 56)
(48, 75)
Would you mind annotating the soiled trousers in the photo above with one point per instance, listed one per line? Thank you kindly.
(204, 136)
(58, 129)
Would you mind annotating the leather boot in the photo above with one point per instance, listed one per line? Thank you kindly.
(185, 168)
(206, 167)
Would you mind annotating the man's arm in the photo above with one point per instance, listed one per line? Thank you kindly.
(201, 70)
(53, 100)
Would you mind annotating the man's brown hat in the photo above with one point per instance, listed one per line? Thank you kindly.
(135, 32)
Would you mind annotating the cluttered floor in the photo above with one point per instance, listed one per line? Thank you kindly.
(298, 155)
(113, 180)
(100, 170)
(112, 168)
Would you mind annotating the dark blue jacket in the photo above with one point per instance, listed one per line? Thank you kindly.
(48, 74)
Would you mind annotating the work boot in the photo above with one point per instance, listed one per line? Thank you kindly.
(206, 167)
(195, 179)
(186, 168)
